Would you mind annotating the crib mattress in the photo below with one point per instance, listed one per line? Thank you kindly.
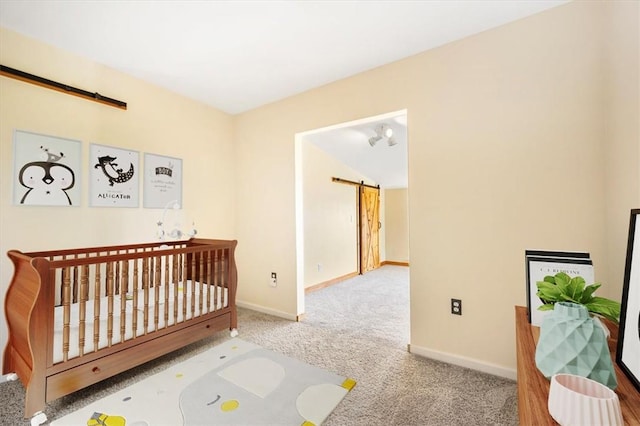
(218, 298)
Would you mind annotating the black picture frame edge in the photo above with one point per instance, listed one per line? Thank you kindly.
(581, 260)
(559, 254)
(633, 219)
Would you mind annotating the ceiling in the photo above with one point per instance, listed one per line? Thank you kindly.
(382, 164)
(239, 55)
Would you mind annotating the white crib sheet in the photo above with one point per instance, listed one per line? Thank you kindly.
(74, 323)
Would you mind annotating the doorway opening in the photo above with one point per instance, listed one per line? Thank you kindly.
(346, 230)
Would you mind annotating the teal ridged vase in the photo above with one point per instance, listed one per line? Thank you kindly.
(571, 341)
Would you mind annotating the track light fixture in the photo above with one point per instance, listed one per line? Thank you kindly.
(383, 131)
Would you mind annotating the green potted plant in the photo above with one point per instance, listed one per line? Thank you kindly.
(573, 339)
(562, 288)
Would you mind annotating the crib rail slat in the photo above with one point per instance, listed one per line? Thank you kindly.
(183, 293)
(228, 272)
(134, 298)
(110, 292)
(66, 304)
(123, 303)
(199, 284)
(156, 292)
(84, 291)
(131, 297)
(96, 308)
(219, 274)
(176, 268)
(61, 270)
(125, 277)
(192, 282)
(209, 282)
(167, 281)
(116, 278)
(145, 298)
(74, 290)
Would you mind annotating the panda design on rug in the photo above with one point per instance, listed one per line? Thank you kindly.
(47, 181)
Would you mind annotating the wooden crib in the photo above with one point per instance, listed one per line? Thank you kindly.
(78, 316)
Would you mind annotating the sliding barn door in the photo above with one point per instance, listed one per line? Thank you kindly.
(369, 229)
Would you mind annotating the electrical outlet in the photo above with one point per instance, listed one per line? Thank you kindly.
(273, 282)
(456, 306)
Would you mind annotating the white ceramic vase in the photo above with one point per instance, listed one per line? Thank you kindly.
(579, 401)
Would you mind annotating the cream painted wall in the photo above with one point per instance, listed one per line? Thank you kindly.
(507, 140)
(330, 217)
(156, 121)
(509, 114)
(622, 132)
(397, 225)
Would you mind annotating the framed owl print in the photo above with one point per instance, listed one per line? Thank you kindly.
(114, 177)
(46, 170)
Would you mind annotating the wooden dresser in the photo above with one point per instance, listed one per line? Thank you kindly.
(533, 387)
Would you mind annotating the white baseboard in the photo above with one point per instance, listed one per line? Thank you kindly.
(462, 361)
(266, 310)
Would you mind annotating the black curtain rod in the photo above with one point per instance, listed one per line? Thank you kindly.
(60, 87)
(350, 182)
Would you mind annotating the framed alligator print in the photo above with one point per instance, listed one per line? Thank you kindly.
(114, 177)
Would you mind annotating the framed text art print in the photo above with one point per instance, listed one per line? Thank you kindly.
(114, 177)
(628, 351)
(162, 181)
(46, 170)
(541, 264)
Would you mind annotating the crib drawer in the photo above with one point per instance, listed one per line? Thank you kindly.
(81, 376)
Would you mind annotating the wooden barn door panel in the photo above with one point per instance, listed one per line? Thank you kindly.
(369, 229)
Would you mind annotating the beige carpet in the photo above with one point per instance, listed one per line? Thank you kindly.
(344, 332)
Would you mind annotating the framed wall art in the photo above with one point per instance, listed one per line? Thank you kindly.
(162, 181)
(114, 177)
(46, 170)
(540, 264)
(628, 351)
